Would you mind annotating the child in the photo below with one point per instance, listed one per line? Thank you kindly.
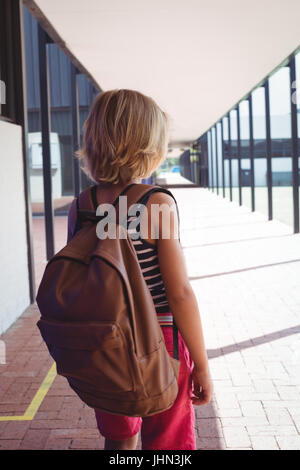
(126, 139)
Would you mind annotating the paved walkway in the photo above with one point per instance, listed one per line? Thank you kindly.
(246, 274)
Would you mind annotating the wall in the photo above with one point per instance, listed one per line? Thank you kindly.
(14, 280)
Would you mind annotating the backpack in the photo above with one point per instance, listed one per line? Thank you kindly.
(99, 321)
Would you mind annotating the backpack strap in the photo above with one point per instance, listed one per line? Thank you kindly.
(82, 201)
(86, 205)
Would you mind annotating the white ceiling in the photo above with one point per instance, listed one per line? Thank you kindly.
(196, 58)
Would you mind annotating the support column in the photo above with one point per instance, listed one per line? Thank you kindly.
(229, 156)
(295, 161)
(217, 169)
(75, 129)
(211, 162)
(239, 156)
(20, 92)
(43, 39)
(251, 151)
(223, 148)
(269, 151)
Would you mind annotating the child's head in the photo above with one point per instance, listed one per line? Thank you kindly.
(125, 137)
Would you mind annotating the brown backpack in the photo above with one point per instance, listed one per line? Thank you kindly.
(99, 321)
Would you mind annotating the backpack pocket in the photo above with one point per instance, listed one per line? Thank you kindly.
(92, 355)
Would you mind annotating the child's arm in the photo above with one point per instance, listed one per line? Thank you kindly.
(182, 301)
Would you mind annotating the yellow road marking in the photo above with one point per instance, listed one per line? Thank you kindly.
(37, 399)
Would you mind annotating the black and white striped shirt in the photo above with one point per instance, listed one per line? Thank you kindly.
(147, 255)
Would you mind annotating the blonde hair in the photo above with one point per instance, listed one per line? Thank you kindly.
(124, 137)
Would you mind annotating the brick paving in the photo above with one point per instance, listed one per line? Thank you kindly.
(245, 272)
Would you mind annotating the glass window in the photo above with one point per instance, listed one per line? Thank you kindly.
(7, 67)
(34, 136)
(280, 114)
(245, 153)
(2, 93)
(234, 155)
(61, 127)
(259, 141)
(213, 143)
(3, 57)
(86, 95)
(226, 157)
(219, 153)
(61, 142)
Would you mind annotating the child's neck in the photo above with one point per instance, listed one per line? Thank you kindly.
(120, 184)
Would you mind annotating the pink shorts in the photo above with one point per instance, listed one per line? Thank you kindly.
(173, 429)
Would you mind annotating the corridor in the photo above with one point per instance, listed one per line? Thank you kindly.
(245, 272)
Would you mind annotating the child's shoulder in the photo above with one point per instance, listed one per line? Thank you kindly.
(160, 197)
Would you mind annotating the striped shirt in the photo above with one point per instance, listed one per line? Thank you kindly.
(147, 255)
